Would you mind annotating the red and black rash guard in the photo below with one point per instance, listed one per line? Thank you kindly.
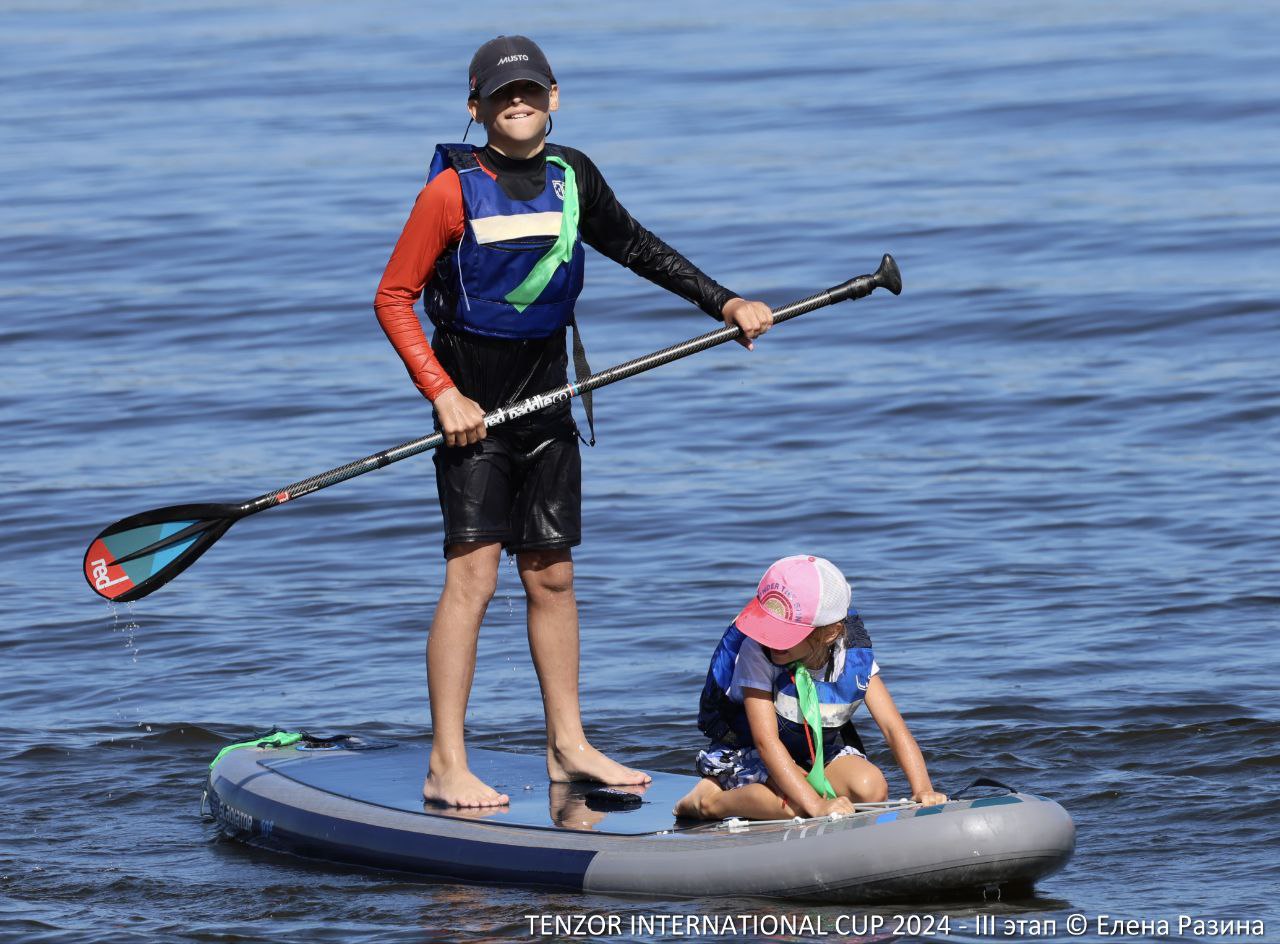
(498, 371)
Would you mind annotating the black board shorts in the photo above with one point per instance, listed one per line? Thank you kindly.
(526, 499)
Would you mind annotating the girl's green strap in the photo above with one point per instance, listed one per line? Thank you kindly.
(279, 739)
(807, 695)
(527, 292)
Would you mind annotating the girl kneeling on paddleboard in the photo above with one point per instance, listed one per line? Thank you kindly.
(783, 683)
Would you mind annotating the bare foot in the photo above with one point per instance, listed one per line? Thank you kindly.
(460, 787)
(584, 762)
(691, 805)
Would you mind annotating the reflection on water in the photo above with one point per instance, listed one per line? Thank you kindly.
(575, 805)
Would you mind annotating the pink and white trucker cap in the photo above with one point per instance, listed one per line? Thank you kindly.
(795, 595)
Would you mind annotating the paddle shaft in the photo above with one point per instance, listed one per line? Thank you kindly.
(204, 524)
(887, 277)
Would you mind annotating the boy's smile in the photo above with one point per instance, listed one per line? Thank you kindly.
(515, 116)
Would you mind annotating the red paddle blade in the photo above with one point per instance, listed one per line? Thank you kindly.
(141, 553)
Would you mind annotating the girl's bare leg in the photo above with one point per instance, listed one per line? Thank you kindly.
(858, 779)
(754, 801)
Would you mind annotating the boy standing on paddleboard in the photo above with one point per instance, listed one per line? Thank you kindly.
(494, 248)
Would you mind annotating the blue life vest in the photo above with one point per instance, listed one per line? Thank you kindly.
(502, 241)
(724, 720)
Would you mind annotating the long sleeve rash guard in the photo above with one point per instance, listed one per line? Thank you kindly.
(496, 371)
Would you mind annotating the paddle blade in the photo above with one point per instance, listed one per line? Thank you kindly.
(142, 553)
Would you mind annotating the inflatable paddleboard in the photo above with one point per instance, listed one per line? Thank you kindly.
(355, 801)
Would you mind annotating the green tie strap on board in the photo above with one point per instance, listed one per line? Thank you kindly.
(278, 739)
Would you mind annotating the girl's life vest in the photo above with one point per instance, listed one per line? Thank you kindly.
(724, 720)
(517, 271)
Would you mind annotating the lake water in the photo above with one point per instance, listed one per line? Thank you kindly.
(1049, 468)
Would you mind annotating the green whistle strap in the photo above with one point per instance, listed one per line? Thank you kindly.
(527, 292)
(807, 695)
(279, 739)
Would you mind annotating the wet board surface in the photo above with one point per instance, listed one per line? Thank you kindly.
(392, 777)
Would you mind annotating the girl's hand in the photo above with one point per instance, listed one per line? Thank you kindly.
(831, 807)
(461, 419)
(930, 798)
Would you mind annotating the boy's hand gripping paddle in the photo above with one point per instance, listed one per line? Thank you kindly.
(143, 552)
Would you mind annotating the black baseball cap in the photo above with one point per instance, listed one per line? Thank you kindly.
(508, 59)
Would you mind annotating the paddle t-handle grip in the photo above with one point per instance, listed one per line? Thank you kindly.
(886, 277)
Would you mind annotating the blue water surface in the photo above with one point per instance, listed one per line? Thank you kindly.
(1049, 467)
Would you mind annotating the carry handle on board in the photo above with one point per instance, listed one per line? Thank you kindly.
(984, 782)
(139, 554)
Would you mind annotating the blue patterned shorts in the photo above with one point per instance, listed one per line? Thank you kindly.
(733, 767)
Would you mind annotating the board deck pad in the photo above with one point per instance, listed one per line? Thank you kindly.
(393, 778)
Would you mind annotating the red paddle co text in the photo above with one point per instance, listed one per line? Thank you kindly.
(108, 579)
